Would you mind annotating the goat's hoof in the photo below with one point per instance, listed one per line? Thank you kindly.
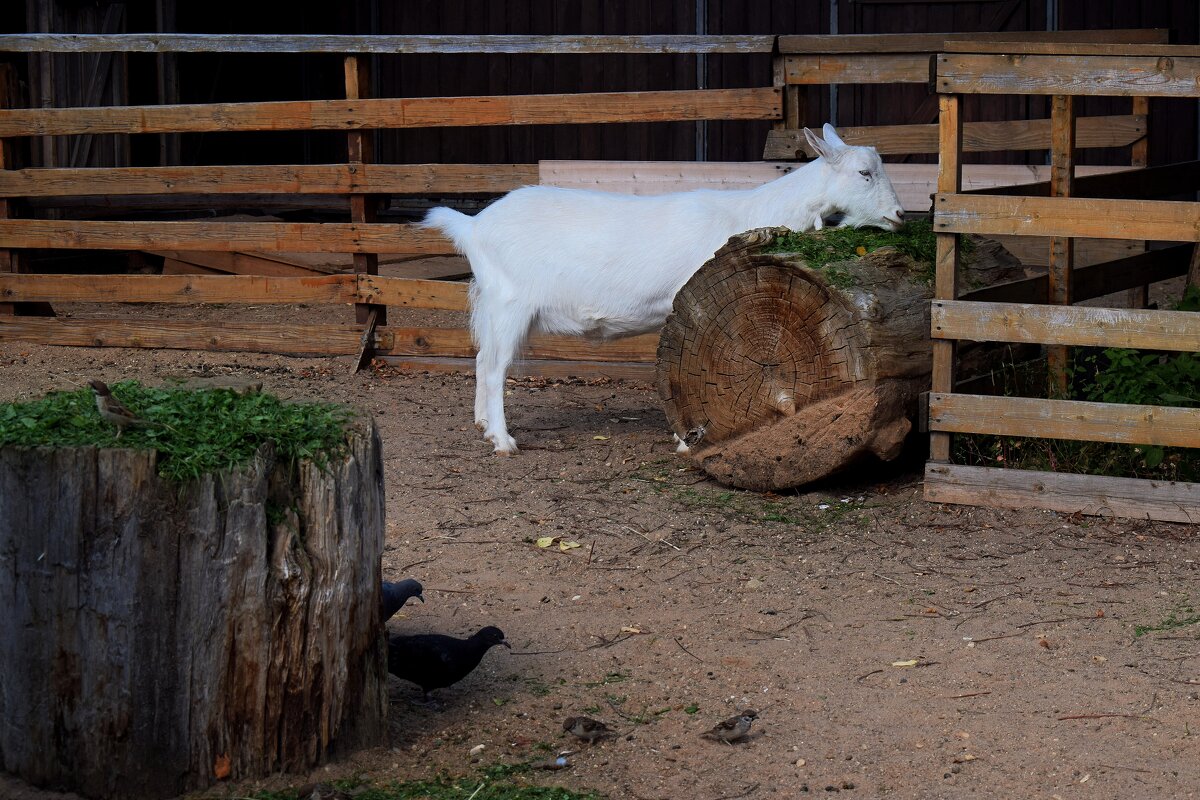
(481, 425)
(505, 445)
(681, 446)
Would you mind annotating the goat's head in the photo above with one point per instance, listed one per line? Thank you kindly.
(857, 188)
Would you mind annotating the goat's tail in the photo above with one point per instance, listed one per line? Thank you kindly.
(455, 225)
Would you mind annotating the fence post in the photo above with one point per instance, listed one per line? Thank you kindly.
(1062, 248)
(8, 259)
(1139, 156)
(950, 128)
(362, 209)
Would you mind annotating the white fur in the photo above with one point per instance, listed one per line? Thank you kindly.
(569, 261)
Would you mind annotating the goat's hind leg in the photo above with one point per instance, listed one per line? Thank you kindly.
(499, 336)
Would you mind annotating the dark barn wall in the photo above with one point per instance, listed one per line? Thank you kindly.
(205, 78)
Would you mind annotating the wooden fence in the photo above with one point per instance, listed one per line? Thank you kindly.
(1064, 210)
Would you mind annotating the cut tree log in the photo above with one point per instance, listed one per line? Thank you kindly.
(776, 375)
(160, 637)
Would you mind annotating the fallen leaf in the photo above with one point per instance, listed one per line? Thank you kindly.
(565, 546)
(630, 629)
(910, 663)
(601, 438)
(547, 541)
(221, 767)
(1099, 613)
(862, 251)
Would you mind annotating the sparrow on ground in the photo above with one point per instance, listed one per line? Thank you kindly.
(395, 595)
(433, 661)
(113, 412)
(586, 728)
(734, 728)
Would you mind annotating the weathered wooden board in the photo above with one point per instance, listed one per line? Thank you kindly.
(633, 371)
(1107, 75)
(1066, 325)
(1069, 494)
(1035, 250)
(303, 339)
(412, 293)
(835, 68)
(1034, 134)
(323, 237)
(870, 43)
(247, 263)
(1067, 216)
(383, 44)
(179, 289)
(1065, 419)
(1065, 46)
(155, 631)
(947, 257)
(409, 112)
(915, 184)
(282, 179)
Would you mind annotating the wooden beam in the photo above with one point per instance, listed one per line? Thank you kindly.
(412, 292)
(1065, 419)
(1068, 325)
(243, 263)
(929, 43)
(300, 237)
(947, 258)
(1106, 75)
(1094, 495)
(978, 137)
(359, 152)
(1014, 47)
(179, 289)
(412, 112)
(528, 368)
(1062, 248)
(456, 343)
(282, 179)
(1038, 216)
(852, 69)
(382, 44)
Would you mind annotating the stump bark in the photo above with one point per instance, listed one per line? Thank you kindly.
(159, 637)
(777, 375)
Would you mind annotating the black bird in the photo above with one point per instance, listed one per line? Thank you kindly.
(433, 661)
(395, 595)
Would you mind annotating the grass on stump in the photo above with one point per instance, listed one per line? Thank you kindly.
(196, 431)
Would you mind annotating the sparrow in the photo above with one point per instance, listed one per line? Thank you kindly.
(433, 661)
(113, 412)
(395, 595)
(734, 728)
(587, 728)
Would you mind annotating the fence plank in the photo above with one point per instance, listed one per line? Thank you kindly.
(186, 289)
(281, 179)
(1065, 419)
(296, 237)
(978, 137)
(1106, 75)
(1066, 325)
(383, 44)
(834, 68)
(935, 42)
(456, 343)
(525, 368)
(411, 112)
(412, 292)
(1059, 216)
(1094, 495)
(956, 44)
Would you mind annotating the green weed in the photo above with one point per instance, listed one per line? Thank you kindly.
(197, 431)
(493, 783)
(1181, 616)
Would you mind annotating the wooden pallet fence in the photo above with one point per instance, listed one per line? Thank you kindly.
(1063, 71)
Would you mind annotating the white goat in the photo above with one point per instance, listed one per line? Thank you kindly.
(571, 261)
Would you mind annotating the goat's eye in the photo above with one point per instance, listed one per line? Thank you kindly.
(866, 173)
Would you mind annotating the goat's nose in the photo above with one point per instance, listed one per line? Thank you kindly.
(900, 214)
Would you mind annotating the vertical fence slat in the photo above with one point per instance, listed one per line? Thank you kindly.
(1062, 249)
(946, 276)
(359, 152)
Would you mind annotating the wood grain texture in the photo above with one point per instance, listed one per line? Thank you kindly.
(978, 137)
(382, 44)
(156, 628)
(1105, 75)
(1065, 419)
(948, 258)
(1040, 216)
(245, 263)
(956, 44)
(1177, 331)
(179, 289)
(851, 69)
(929, 43)
(282, 179)
(545, 368)
(414, 112)
(301, 237)
(1093, 495)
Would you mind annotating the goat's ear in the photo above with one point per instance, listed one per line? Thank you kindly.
(819, 145)
(831, 136)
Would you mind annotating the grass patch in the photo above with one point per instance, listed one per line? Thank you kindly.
(1181, 616)
(493, 783)
(830, 248)
(197, 432)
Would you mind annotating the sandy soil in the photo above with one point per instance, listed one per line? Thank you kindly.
(687, 601)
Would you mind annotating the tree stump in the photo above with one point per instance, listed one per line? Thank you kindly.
(161, 636)
(776, 375)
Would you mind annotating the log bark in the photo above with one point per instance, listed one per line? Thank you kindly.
(777, 375)
(159, 637)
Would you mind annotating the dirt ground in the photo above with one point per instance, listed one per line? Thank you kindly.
(686, 601)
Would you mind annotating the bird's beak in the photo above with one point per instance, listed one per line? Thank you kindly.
(506, 644)
(420, 597)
